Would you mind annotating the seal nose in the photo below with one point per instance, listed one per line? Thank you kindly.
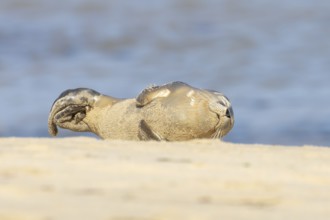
(228, 114)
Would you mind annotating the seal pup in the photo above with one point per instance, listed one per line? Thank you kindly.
(171, 112)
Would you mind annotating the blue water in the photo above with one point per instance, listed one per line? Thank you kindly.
(271, 58)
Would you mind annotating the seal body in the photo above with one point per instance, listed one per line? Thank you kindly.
(118, 121)
(172, 112)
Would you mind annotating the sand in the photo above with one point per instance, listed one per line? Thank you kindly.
(85, 178)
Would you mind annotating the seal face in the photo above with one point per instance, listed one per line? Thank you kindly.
(172, 112)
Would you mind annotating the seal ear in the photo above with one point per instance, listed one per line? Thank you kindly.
(70, 108)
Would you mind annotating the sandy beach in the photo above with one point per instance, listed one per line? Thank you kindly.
(85, 178)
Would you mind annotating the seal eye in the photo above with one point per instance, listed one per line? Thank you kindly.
(228, 115)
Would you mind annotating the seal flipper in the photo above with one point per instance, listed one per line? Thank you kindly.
(70, 108)
(71, 117)
(147, 134)
(151, 93)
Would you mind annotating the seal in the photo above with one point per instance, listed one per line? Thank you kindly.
(172, 112)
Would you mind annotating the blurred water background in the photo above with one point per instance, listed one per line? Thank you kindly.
(271, 58)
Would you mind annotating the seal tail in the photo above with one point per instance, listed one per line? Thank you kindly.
(69, 109)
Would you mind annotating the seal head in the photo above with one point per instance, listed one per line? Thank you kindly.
(221, 105)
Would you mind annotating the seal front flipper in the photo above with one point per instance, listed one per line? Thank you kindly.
(147, 134)
(151, 93)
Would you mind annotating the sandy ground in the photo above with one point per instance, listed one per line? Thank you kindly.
(84, 178)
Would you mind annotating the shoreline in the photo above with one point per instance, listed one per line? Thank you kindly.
(87, 178)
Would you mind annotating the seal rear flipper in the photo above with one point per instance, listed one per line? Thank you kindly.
(70, 108)
(71, 117)
(147, 134)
